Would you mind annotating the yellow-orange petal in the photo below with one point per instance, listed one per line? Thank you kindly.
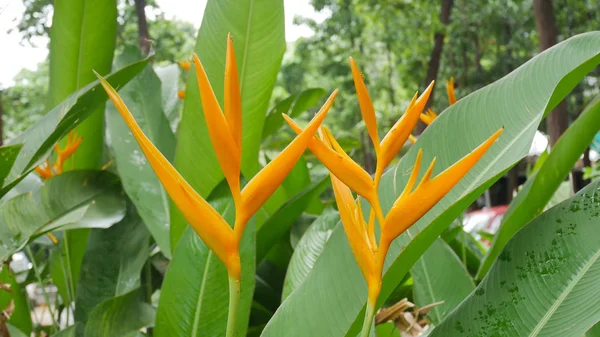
(344, 168)
(366, 106)
(233, 100)
(44, 170)
(262, 186)
(408, 209)
(185, 65)
(428, 117)
(355, 230)
(328, 136)
(181, 94)
(450, 91)
(413, 175)
(228, 154)
(208, 223)
(396, 137)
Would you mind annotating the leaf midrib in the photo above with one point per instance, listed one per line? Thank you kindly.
(198, 311)
(564, 295)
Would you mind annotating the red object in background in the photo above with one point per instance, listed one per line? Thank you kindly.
(487, 220)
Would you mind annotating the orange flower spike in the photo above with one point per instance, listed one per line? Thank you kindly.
(396, 137)
(265, 182)
(366, 106)
(233, 101)
(428, 117)
(411, 206)
(355, 229)
(450, 91)
(44, 170)
(73, 142)
(210, 226)
(413, 175)
(185, 65)
(349, 172)
(221, 137)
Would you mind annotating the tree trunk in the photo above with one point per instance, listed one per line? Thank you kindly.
(436, 53)
(558, 120)
(144, 36)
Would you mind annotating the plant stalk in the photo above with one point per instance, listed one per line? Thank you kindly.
(234, 302)
(369, 313)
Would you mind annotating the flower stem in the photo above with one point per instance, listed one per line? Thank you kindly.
(234, 301)
(369, 313)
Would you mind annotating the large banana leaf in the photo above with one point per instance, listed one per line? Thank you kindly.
(39, 139)
(112, 263)
(257, 27)
(518, 102)
(540, 188)
(440, 276)
(82, 39)
(143, 98)
(308, 250)
(545, 282)
(194, 294)
(78, 199)
(121, 316)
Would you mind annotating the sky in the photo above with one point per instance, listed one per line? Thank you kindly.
(16, 55)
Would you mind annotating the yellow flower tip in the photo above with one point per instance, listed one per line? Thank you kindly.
(422, 100)
(450, 91)
(262, 186)
(232, 95)
(52, 238)
(409, 208)
(413, 175)
(107, 165)
(412, 139)
(185, 65)
(366, 106)
(223, 141)
(181, 94)
(44, 170)
(428, 173)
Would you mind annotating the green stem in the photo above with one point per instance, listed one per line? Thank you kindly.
(234, 302)
(42, 285)
(369, 313)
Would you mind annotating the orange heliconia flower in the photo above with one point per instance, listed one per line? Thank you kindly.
(46, 170)
(411, 205)
(225, 132)
(185, 65)
(429, 116)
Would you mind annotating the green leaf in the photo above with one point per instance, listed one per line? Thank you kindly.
(76, 330)
(194, 295)
(122, 316)
(308, 250)
(518, 102)
(169, 83)
(280, 222)
(293, 106)
(112, 263)
(469, 250)
(545, 282)
(387, 330)
(14, 331)
(39, 139)
(439, 276)
(77, 199)
(8, 155)
(257, 27)
(539, 190)
(21, 316)
(142, 96)
(594, 331)
(82, 39)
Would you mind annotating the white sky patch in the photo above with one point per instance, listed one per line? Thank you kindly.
(17, 55)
